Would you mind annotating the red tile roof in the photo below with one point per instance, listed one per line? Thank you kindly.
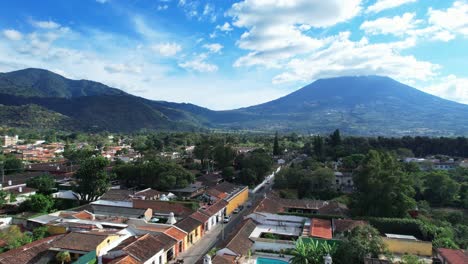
(321, 228)
(188, 224)
(176, 233)
(85, 242)
(453, 256)
(29, 253)
(178, 209)
(124, 260)
(215, 208)
(144, 248)
(241, 243)
(200, 216)
(166, 240)
(224, 259)
(84, 215)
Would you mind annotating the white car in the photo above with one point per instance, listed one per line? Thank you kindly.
(236, 211)
(227, 219)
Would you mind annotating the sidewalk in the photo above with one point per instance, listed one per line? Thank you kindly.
(201, 247)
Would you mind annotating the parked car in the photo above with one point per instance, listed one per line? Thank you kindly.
(227, 218)
(236, 211)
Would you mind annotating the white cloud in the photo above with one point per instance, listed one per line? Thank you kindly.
(123, 68)
(345, 57)
(102, 1)
(162, 7)
(397, 25)
(451, 22)
(273, 34)
(225, 27)
(199, 64)
(12, 34)
(214, 47)
(209, 11)
(45, 24)
(167, 49)
(381, 5)
(451, 88)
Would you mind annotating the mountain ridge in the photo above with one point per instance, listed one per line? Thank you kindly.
(363, 105)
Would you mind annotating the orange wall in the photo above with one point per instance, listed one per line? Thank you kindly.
(239, 199)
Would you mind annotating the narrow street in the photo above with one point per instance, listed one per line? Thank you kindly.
(215, 237)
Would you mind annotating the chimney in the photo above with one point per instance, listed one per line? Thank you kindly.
(20, 189)
(9, 183)
(171, 220)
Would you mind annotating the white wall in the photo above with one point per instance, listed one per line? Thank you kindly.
(259, 245)
(155, 258)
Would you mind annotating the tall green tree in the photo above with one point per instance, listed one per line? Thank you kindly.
(44, 183)
(223, 156)
(335, 138)
(92, 179)
(276, 147)
(361, 242)
(440, 188)
(38, 203)
(383, 189)
(319, 148)
(12, 164)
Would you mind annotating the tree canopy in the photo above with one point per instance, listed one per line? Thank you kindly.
(160, 175)
(92, 179)
(383, 189)
(44, 183)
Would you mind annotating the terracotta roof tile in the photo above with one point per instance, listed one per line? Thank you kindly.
(321, 228)
(200, 216)
(166, 240)
(454, 256)
(29, 253)
(334, 208)
(215, 193)
(124, 260)
(215, 208)
(144, 248)
(85, 242)
(117, 195)
(225, 187)
(163, 207)
(188, 224)
(176, 233)
(223, 259)
(241, 242)
(84, 215)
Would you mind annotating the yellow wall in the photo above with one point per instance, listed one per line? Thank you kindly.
(56, 230)
(109, 239)
(400, 246)
(195, 238)
(239, 199)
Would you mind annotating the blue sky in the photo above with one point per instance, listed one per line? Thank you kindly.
(226, 54)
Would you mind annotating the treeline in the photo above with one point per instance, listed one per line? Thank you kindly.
(156, 174)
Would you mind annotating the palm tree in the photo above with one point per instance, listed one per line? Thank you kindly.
(310, 253)
(300, 253)
(63, 256)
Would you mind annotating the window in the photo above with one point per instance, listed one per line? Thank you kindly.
(196, 232)
(160, 259)
(180, 246)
